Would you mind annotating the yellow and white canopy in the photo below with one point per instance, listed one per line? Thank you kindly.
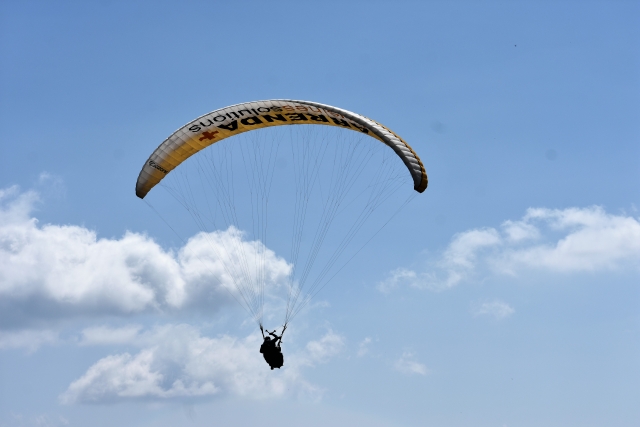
(236, 119)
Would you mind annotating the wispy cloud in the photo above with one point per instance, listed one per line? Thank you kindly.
(37, 420)
(497, 309)
(105, 335)
(322, 350)
(363, 347)
(563, 241)
(29, 339)
(408, 365)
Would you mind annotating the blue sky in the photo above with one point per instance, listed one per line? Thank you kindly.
(506, 294)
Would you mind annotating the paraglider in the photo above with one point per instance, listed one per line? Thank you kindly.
(271, 348)
(335, 176)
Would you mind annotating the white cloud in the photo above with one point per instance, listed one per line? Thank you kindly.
(408, 365)
(517, 231)
(463, 249)
(399, 277)
(496, 309)
(64, 270)
(590, 240)
(322, 350)
(177, 362)
(363, 347)
(453, 266)
(104, 335)
(564, 241)
(28, 339)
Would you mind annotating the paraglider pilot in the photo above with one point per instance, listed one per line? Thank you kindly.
(270, 348)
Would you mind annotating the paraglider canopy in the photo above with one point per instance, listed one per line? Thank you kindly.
(236, 119)
(341, 172)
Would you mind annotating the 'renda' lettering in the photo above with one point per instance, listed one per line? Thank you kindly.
(270, 118)
(231, 126)
(250, 121)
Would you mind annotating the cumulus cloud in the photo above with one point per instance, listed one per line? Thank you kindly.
(565, 241)
(408, 365)
(590, 240)
(177, 362)
(53, 271)
(497, 309)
